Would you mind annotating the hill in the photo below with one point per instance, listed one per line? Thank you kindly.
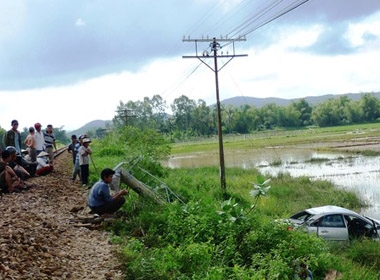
(91, 126)
(312, 100)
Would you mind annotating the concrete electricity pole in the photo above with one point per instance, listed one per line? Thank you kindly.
(215, 47)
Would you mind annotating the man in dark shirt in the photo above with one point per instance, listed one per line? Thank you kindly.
(100, 200)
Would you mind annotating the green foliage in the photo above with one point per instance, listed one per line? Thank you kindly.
(140, 150)
(211, 238)
(191, 119)
(364, 252)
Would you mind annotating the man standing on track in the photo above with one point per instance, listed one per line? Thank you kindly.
(39, 138)
(50, 145)
(13, 138)
(30, 143)
(84, 160)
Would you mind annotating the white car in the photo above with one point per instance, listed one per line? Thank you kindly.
(336, 223)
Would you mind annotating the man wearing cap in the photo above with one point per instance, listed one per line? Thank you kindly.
(13, 138)
(84, 160)
(39, 138)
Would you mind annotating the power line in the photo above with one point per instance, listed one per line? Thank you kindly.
(245, 29)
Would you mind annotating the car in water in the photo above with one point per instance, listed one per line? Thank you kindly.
(336, 223)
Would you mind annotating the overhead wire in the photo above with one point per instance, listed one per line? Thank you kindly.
(250, 24)
(188, 72)
(253, 24)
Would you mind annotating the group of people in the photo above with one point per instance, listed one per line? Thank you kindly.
(99, 199)
(81, 152)
(17, 165)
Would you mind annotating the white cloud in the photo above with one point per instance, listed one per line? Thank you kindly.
(357, 32)
(80, 22)
(279, 70)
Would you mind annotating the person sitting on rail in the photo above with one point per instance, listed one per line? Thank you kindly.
(43, 166)
(100, 200)
(9, 181)
(21, 172)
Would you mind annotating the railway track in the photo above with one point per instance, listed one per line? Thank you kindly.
(59, 151)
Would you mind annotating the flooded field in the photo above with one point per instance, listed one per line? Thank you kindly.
(358, 173)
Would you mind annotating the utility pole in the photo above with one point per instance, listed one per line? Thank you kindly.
(214, 48)
(126, 113)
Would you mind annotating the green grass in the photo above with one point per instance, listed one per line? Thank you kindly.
(195, 241)
(263, 139)
(216, 235)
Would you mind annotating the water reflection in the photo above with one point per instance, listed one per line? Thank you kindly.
(357, 173)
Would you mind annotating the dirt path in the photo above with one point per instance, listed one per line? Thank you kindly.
(39, 242)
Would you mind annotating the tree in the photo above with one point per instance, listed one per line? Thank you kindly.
(354, 112)
(229, 118)
(202, 122)
(183, 112)
(159, 114)
(243, 119)
(370, 107)
(303, 107)
(327, 113)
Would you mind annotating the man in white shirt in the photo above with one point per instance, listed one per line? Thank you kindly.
(39, 138)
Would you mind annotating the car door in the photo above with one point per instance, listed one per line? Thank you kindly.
(359, 227)
(330, 227)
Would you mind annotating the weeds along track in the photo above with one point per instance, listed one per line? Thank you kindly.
(37, 239)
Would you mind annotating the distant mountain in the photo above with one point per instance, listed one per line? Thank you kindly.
(312, 100)
(91, 126)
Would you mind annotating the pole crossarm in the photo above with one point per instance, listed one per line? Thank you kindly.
(240, 38)
(203, 58)
(214, 42)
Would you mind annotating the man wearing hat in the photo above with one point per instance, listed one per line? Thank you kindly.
(43, 166)
(13, 138)
(84, 160)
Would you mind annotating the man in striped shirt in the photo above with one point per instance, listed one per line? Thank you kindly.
(50, 145)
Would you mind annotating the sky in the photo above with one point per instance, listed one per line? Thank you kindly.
(67, 63)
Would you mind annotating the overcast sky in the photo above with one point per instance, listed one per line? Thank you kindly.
(67, 63)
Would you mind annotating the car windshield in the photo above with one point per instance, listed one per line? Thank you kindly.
(303, 216)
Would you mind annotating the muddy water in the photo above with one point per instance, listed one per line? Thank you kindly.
(357, 173)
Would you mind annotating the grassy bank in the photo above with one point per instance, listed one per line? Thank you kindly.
(208, 237)
(232, 236)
